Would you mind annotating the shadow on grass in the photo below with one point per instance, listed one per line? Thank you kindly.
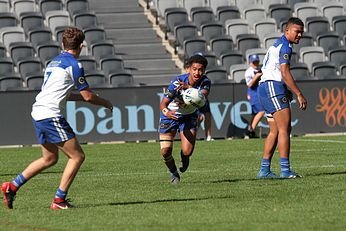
(155, 201)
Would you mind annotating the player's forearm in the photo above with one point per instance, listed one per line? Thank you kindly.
(291, 84)
(75, 97)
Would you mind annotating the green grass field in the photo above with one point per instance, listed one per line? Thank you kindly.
(125, 187)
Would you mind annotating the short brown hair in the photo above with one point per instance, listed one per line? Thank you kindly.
(72, 38)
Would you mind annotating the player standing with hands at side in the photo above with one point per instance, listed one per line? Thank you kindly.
(176, 116)
(275, 99)
(62, 74)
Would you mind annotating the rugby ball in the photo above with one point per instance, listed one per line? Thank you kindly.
(194, 97)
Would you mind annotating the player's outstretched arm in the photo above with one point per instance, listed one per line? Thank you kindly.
(165, 111)
(291, 83)
(90, 97)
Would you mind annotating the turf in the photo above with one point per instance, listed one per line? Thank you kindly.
(125, 187)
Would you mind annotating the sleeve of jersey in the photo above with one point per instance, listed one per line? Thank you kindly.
(285, 54)
(78, 77)
(170, 93)
(206, 86)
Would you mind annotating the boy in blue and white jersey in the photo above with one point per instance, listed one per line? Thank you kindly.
(176, 116)
(48, 113)
(275, 98)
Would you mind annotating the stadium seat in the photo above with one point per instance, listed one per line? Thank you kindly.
(265, 27)
(305, 40)
(221, 45)
(323, 70)
(57, 18)
(243, 4)
(111, 64)
(316, 25)
(189, 4)
(280, 12)
(339, 24)
(29, 65)
(85, 19)
(183, 32)
(50, 5)
(34, 81)
(217, 74)
(101, 49)
(20, 50)
(331, 10)
(9, 35)
(291, 3)
(39, 35)
(59, 32)
(212, 30)
(267, 3)
(300, 71)
(31, 20)
(247, 41)
(343, 69)
(11, 81)
(337, 55)
(202, 15)
(211, 58)
(2, 51)
(6, 66)
(95, 78)
(328, 40)
(231, 58)
(224, 13)
(270, 39)
(311, 55)
(94, 34)
(5, 5)
(73, 6)
(21, 6)
(88, 62)
(174, 17)
(234, 27)
(162, 5)
(261, 52)
(321, 3)
(303, 10)
(193, 45)
(254, 14)
(215, 4)
(123, 78)
(47, 51)
(8, 19)
(237, 72)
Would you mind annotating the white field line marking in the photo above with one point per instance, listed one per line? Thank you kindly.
(321, 141)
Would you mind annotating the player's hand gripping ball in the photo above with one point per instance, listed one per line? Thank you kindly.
(194, 97)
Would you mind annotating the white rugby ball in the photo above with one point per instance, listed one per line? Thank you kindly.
(194, 97)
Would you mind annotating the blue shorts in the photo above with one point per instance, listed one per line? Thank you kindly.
(53, 130)
(205, 108)
(256, 108)
(184, 123)
(273, 96)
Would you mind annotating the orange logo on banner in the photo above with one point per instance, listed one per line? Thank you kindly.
(333, 102)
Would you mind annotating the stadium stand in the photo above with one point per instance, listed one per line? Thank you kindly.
(231, 58)
(202, 15)
(20, 50)
(96, 78)
(29, 65)
(50, 5)
(4, 5)
(20, 6)
(212, 30)
(324, 70)
(8, 19)
(39, 35)
(237, 72)
(88, 62)
(34, 81)
(73, 6)
(217, 74)
(316, 25)
(300, 71)
(31, 20)
(217, 4)
(280, 12)
(328, 40)
(311, 55)
(221, 44)
(121, 78)
(223, 13)
(11, 81)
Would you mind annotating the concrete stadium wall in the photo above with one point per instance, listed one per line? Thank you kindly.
(136, 113)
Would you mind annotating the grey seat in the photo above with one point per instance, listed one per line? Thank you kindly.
(212, 30)
(247, 41)
(337, 55)
(111, 64)
(328, 40)
(261, 52)
(8, 19)
(21, 6)
(211, 58)
(39, 35)
(291, 3)
(237, 72)
(57, 18)
(215, 4)
(11, 81)
(47, 51)
(323, 70)
(311, 55)
(189, 4)
(202, 15)
(34, 81)
(88, 62)
(231, 58)
(31, 20)
(254, 14)
(2, 51)
(300, 71)
(243, 4)
(280, 12)
(343, 69)
(20, 50)
(5, 5)
(85, 19)
(303, 10)
(270, 39)
(29, 65)
(331, 10)
(339, 24)
(222, 44)
(223, 13)
(162, 5)
(95, 78)
(102, 48)
(193, 45)
(50, 5)
(216, 74)
(73, 6)
(9, 35)
(305, 41)
(174, 17)
(267, 3)
(183, 32)
(121, 78)
(316, 25)
(94, 34)
(6, 66)
(264, 27)
(59, 32)
(234, 27)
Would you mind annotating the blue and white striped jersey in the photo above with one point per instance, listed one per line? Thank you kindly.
(61, 75)
(279, 53)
